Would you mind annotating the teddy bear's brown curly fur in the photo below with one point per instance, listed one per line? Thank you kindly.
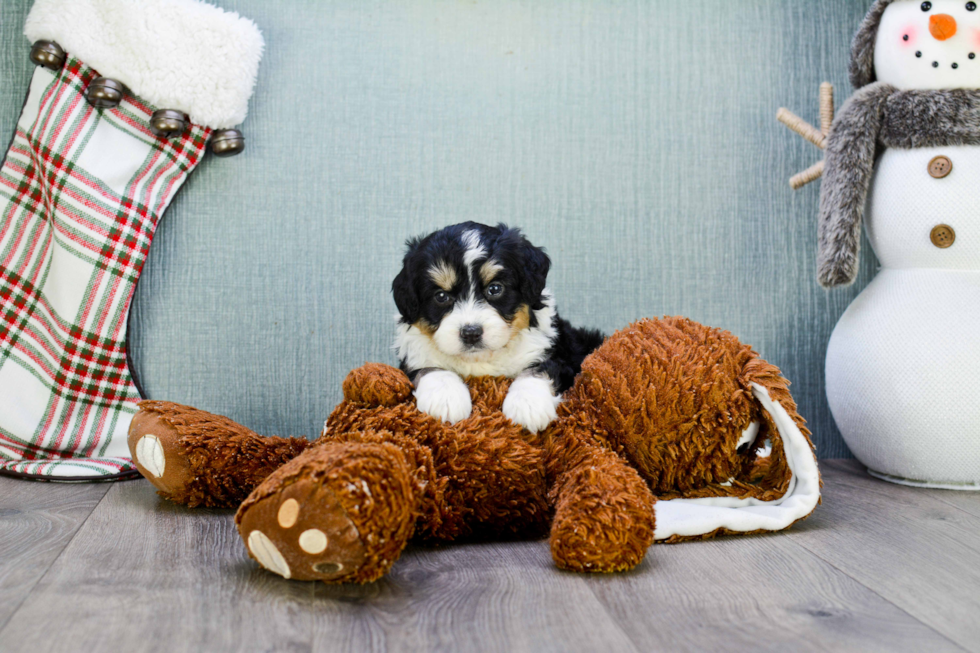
(658, 410)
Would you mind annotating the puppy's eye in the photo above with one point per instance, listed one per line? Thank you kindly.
(926, 6)
(971, 6)
(495, 289)
(443, 298)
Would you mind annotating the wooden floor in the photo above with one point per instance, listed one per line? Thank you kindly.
(112, 567)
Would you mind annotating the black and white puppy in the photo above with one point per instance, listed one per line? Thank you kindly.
(472, 301)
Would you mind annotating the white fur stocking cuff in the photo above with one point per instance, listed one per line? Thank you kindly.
(175, 54)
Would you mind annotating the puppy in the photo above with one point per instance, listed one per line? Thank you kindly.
(472, 301)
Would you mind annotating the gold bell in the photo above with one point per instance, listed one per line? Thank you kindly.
(105, 93)
(48, 54)
(227, 142)
(168, 123)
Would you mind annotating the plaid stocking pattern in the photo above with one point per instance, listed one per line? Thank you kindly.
(81, 192)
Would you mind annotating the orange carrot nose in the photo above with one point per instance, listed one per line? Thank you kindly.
(942, 26)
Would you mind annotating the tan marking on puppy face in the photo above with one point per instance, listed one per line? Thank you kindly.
(426, 328)
(489, 270)
(443, 275)
(521, 320)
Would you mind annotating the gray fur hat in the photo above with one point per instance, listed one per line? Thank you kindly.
(863, 46)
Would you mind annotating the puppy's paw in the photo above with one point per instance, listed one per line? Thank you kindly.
(531, 403)
(443, 395)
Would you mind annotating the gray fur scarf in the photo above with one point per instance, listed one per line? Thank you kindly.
(879, 116)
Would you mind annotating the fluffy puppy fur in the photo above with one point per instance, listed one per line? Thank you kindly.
(473, 301)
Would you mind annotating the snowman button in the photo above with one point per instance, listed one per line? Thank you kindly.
(940, 167)
(942, 236)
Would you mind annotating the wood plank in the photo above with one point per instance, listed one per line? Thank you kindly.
(760, 592)
(755, 593)
(965, 500)
(918, 552)
(145, 575)
(968, 502)
(470, 597)
(37, 521)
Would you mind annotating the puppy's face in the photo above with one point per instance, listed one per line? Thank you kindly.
(471, 288)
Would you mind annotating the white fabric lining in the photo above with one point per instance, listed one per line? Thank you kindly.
(175, 54)
(692, 517)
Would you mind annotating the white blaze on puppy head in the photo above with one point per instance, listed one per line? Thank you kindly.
(929, 45)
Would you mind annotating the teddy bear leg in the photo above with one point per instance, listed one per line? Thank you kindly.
(604, 510)
(340, 512)
(196, 458)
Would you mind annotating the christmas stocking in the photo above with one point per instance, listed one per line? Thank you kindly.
(126, 97)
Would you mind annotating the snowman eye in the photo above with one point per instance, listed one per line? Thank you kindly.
(971, 6)
(926, 6)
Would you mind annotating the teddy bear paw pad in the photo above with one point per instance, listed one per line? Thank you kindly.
(313, 541)
(154, 445)
(149, 454)
(288, 513)
(267, 554)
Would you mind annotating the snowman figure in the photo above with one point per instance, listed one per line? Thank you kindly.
(903, 155)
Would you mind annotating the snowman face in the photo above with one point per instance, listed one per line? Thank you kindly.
(929, 45)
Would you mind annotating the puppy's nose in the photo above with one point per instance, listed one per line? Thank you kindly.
(942, 26)
(471, 334)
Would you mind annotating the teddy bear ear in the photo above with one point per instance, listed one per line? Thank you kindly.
(862, 69)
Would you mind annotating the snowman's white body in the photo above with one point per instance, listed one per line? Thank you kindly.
(903, 363)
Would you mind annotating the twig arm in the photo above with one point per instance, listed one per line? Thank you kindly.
(811, 174)
(802, 127)
(826, 107)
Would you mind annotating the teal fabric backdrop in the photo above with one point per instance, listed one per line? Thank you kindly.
(635, 140)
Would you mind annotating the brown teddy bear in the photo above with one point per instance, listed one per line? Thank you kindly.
(664, 408)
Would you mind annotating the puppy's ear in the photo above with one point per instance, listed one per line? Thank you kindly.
(534, 273)
(406, 299)
(403, 287)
